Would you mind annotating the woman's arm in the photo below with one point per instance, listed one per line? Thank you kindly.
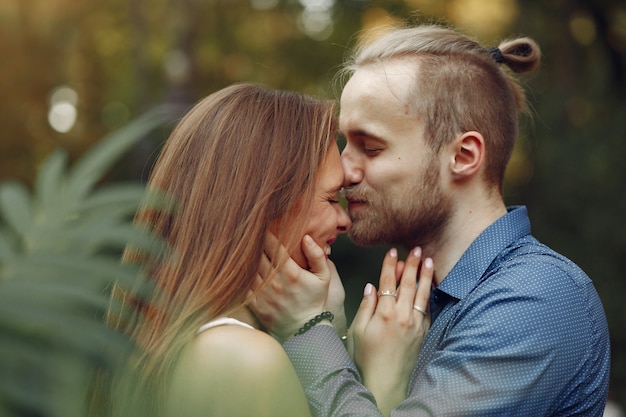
(387, 333)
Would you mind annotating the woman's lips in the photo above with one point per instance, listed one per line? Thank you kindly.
(327, 248)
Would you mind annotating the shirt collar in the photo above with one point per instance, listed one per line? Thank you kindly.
(486, 247)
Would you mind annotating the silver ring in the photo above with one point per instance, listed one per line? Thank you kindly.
(420, 309)
(387, 292)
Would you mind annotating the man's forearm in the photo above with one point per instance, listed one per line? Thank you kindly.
(328, 375)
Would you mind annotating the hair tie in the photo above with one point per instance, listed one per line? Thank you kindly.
(496, 54)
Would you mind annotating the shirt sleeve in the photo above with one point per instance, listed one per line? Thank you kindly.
(329, 377)
(532, 340)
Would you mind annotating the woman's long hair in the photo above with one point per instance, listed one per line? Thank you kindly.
(244, 158)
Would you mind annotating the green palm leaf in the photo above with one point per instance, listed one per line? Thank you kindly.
(7, 253)
(49, 183)
(17, 206)
(59, 257)
(92, 166)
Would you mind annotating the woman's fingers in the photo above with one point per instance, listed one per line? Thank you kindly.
(399, 270)
(387, 282)
(363, 315)
(386, 367)
(424, 286)
(408, 282)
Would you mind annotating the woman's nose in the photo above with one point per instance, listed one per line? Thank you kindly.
(343, 221)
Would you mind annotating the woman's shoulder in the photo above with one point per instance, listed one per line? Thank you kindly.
(219, 344)
(233, 370)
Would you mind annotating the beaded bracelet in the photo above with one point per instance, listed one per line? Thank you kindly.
(326, 315)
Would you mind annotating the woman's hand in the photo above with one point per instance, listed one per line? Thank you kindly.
(387, 333)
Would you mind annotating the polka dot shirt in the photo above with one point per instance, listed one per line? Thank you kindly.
(518, 330)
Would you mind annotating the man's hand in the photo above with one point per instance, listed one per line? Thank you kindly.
(335, 301)
(294, 295)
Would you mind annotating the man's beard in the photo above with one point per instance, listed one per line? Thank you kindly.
(414, 217)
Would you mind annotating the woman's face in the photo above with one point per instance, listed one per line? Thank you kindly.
(327, 218)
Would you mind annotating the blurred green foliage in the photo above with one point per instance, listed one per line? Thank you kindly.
(60, 251)
(123, 56)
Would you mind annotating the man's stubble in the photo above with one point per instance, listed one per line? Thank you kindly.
(415, 215)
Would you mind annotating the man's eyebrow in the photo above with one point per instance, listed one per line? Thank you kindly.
(359, 133)
(362, 133)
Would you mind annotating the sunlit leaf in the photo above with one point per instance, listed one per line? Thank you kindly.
(115, 196)
(54, 293)
(91, 166)
(60, 255)
(6, 250)
(49, 183)
(16, 207)
(97, 271)
(41, 325)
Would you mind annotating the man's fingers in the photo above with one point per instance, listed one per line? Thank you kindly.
(273, 249)
(316, 257)
(271, 243)
(265, 268)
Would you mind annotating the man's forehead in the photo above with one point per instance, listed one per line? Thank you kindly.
(385, 81)
(373, 99)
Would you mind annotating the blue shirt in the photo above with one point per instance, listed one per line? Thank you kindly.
(518, 330)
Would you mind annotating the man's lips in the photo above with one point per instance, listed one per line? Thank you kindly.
(354, 204)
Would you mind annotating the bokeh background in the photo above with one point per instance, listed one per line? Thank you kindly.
(73, 71)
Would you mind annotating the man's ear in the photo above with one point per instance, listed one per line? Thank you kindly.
(469, 154)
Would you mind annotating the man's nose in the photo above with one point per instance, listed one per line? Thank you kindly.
(352, 172)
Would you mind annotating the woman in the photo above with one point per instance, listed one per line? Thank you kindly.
(243, 162)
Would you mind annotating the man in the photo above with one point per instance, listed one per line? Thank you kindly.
(430, 119)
